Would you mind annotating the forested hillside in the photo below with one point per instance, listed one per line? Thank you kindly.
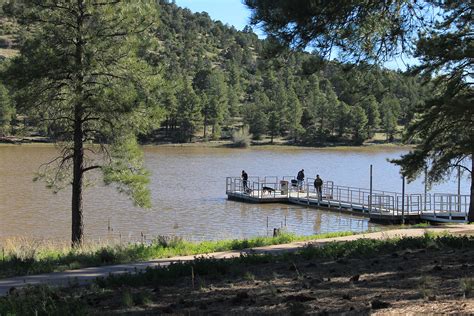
(217, 79)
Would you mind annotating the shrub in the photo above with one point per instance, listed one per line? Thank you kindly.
(241, 138)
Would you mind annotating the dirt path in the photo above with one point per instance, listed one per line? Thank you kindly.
(83, 276)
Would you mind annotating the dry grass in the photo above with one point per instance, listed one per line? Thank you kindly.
(8, 53)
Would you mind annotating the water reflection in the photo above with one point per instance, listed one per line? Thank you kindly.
(188, 193)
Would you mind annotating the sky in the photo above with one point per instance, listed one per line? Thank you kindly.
(234, 12)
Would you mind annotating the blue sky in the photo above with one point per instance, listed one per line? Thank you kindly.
(234, 12)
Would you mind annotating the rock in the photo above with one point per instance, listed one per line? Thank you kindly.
(346, 297)
(378, 304)
(299, 298)
(240, 297)
(167, 310)
(355, 278)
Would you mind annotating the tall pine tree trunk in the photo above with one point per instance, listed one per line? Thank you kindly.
(78, 154)
(78, 161)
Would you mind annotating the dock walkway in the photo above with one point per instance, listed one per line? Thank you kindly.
(379, 206)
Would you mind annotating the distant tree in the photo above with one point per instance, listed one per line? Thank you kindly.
(189, 109)
(79, 67)
(389, 107)
(358, 124)
(273, 125)
(256, 119)
(295, 112)
(219, 102)
(342, 118)
(370, 105)
(213, 90)
(170, 105)
(6, 110)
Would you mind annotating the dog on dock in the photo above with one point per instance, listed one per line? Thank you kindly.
(267, 190)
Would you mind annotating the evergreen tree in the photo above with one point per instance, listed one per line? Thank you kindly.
(189, 109)
(370, 105)
(295, 112)
(273, 125)
(389, 106)
(80, 68)
(343, 118)
(6, 110)
(359, 124)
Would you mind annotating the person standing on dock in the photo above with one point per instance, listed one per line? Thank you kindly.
(245, 177)
(318, 185)
(300, 178)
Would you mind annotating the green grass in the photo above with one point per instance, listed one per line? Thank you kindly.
(361, 248)
(42, 300)
(30, 259)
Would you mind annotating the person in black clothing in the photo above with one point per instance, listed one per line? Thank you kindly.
(300, 178)
(245, 177)
(318, 185)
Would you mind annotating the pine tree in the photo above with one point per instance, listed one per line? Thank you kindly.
(80, 68)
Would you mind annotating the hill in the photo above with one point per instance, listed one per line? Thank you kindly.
(218, 79)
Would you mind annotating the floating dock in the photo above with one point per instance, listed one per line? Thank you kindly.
(379, 206)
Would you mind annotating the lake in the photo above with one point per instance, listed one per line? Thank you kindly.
(188, 193)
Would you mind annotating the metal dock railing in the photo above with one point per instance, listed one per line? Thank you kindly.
(377, 204)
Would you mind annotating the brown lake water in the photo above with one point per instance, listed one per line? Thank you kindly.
(188, 193)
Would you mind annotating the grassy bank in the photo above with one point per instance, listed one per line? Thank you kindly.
(362, 276)
(31, 258)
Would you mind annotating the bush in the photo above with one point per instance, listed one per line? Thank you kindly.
(241, 139)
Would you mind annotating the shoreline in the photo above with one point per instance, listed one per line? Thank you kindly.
(227, 145)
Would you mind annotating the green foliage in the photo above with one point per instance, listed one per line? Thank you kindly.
(371, 108)
(359, 29)
(467, 287)
(41, 300)
(82, 72)
(444, 124)
(189, 109)
(372, 32)
(358, 124)
(362, 248)
(34, 259)
(46, 300)
(297, 95)
(6, 110)
(126, 170)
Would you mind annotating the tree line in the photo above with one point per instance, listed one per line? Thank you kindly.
(216, 79)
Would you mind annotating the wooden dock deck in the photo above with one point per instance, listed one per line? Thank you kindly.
(379, 206)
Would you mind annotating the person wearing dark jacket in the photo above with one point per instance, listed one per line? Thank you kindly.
(245, 177)
(300, 178)
(318, 186)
